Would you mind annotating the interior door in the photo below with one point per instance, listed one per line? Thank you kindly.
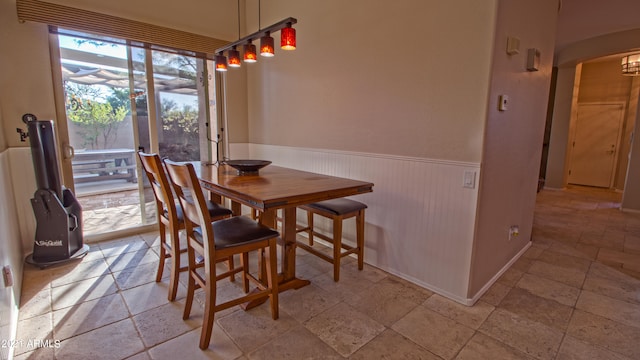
(595, 146)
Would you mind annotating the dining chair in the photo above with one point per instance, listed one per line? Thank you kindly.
(337, 210)
(219, 240)
(169, 216)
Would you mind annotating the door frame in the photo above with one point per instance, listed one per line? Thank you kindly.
(65, 151)
(572, 137)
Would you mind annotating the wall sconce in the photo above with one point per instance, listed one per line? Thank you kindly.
(287, 42)
(631, 65)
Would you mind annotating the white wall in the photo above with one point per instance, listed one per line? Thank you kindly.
(420, 220)
(11, 254)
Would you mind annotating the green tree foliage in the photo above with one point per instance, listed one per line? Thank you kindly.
(98, 120)
(181, 126)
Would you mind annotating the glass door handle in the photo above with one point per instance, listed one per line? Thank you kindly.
(68, 152)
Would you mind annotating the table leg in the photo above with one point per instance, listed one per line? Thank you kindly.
(236, 208)
(132, 172)
(287, 278)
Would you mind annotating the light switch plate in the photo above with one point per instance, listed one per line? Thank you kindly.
(503, 102)
(7, 275)
(513, 45)
(469, 180)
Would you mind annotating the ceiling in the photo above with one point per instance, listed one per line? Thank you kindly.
(583, 19)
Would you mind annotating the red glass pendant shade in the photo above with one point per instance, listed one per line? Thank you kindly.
(234, 58)
(266, 46)
(288, 38)
(221, 63)
(250, 53)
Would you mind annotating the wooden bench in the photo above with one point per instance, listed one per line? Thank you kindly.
(104, 165)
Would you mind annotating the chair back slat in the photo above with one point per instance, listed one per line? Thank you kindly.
(156, 174)
(186, 185)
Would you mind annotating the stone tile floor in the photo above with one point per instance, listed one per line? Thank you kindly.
(575, 294)
(114, 205)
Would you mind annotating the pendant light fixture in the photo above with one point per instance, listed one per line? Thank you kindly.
(287, 42)
(250, 53)
(266, 45)
(631, 65)
(288, 38)
(234, 58)
(221, 62)
(234, 54)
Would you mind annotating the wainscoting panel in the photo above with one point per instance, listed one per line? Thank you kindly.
(420, 221)
(11, 254)
(24, 186)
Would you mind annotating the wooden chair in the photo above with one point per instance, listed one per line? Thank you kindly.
(170, 216)
(337, 210)
(219, 240)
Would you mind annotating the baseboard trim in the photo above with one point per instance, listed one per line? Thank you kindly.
(487, 286)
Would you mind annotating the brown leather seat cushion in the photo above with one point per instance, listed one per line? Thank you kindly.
(338, 206)
(215, 211)
(237, 230)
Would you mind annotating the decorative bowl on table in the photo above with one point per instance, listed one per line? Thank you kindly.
(247, 167)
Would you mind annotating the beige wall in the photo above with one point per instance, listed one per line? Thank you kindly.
(513, 138)
(3, 141)
(631, 195)
(408, 78)
(602, 81)
(25, 80)
(215, 18)
(26, 87)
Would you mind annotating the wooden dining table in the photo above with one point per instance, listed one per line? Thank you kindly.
(274, 188)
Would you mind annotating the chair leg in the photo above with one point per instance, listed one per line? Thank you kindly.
(209, 312)
(337, 247)
(262, 265)
(272, 277)
(191, 285)
(231, 266)
(360, 238)
(175, 264)
(244, 261)
(163, 251)
(310, 225)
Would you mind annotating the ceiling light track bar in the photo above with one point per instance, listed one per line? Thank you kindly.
(258, 34)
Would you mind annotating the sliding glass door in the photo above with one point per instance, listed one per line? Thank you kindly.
(120, 99)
